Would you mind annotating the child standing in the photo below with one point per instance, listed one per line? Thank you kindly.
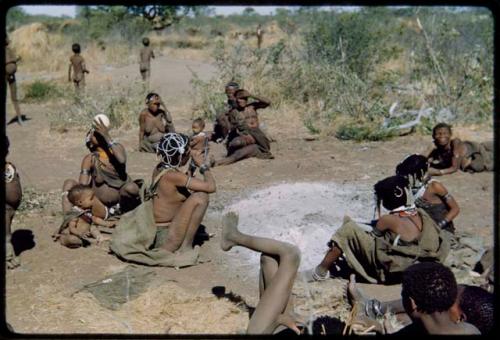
(77, 63)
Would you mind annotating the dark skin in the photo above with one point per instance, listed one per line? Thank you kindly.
(181, 209)
(403, 226)
(439, 325)
(245, 115)
(223, 125)
(434, 194)
(152, 124)
(11, 60)
(114, 159)
(443, 142)
(13, 196)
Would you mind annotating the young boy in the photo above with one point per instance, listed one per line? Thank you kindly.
(13, 196)
(145, 56)
(77, 63)
(81, 222)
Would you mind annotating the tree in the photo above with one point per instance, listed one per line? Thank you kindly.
(249, 11)
(162, 16)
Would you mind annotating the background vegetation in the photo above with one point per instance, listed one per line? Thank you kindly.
(340, 71)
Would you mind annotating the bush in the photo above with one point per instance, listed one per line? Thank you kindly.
(41, 90)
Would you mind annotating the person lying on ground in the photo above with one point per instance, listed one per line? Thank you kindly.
(181, 201)
(429, 194)
(154, 122)
(405, 235)
(82, 221)
(448, 155)
(246, 139)
(473, 305)
(13, 197)
(222, 125)
(104, 170)
(279, 262)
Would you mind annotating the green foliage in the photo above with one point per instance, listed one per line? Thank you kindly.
(41, 90)
(363, 132)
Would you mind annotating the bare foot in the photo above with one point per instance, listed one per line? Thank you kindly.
(353, 293)
(291, 321)
(229, 229)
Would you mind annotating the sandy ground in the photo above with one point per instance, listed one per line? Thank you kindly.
(300, 197)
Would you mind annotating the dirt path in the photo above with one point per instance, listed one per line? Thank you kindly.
(40, 294)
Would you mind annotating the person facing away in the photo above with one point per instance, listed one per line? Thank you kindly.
(145, 56)
(77, 65)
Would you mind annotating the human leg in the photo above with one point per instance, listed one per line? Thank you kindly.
(183, 220)
(201, 205)
(277, 288)
(129, 196)
(245, 152)
(10, 256)
(15, 103)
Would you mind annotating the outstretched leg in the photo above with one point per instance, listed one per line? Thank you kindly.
(245, 152)
(277, 289)
(190, 214)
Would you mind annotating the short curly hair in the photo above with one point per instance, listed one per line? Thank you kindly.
(431, 285)
(440, 126)
(477, 305)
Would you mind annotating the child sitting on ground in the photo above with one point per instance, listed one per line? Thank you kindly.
(82, 220)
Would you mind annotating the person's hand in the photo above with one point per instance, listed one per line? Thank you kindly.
(101, 129)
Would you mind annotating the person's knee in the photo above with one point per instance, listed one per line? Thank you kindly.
(129, 189)
(199, 198)
(292, 254)
(68, 184)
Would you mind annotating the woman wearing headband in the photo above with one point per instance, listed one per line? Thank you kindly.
(154, 122)
(104, 169)
(180, 201)
(429, 194)
(399, 238)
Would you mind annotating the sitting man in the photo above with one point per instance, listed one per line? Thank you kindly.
(104, 169)
(161, 230)
(473, 305)
(13, 196)
(398, 239)
(153, 123)
(246, 139)
(428, 292)
(449, 155)
(429, 194)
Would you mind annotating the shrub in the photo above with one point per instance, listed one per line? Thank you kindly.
(41, 90)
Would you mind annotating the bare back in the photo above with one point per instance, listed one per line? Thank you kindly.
(78, 65)
(409, 227)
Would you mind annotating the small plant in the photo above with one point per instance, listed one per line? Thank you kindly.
(363, 132)
(40, 90)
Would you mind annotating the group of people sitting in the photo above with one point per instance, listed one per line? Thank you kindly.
(156, 223)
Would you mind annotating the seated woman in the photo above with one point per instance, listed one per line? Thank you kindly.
(448, 155)
(246, 139)
(104, 170)
(400, 238)
(429, 194)
(279, 262)
(13, 196)
(161, 230)
(153, 123)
